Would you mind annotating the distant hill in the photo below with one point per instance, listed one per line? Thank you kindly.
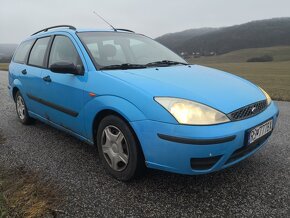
(255, 34)
(6, 52)
(175, 40)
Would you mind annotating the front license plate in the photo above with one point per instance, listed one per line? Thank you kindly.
(259, 131)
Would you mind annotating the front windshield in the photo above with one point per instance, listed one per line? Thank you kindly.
(108, 49)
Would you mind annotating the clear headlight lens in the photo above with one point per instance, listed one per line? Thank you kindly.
(190, 112)
(268, 98)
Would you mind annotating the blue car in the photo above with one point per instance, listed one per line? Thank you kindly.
(141, 104)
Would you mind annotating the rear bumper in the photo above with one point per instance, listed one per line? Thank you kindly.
(198, 149)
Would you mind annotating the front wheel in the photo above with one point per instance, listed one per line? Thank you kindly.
(21, 110)
(119, 150)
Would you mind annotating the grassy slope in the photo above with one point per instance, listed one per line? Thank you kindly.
(274, 77)
(3, 66)
(23, 194)
(281, 53)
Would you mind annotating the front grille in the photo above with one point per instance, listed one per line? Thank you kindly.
(248, 111)
(203, 163)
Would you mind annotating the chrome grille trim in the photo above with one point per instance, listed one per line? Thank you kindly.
(248, 111)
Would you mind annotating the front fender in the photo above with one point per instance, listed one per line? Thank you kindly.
(121, 106)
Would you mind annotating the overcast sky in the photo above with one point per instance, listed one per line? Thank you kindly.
(20, 18)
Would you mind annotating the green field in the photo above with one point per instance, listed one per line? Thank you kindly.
(3, 66)
(280, 53)
(274, 76)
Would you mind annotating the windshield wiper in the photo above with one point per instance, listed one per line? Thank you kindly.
(123, 66)
(165, 63)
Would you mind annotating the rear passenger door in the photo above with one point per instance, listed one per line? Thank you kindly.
(63, 92)
(30, 74)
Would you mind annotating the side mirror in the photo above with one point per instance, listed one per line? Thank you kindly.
(66, 67)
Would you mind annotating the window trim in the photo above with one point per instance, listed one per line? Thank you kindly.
(50, 48)
(45, 54)
(96, 65)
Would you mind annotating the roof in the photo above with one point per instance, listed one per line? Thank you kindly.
(71, 29)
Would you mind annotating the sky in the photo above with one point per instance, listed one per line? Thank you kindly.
(21, 18)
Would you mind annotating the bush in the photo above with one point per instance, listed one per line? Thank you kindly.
(264, 58)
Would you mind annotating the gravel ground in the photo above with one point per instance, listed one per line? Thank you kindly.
(259, 186)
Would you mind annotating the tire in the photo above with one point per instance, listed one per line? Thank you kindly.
(21, 110)
(119, 150)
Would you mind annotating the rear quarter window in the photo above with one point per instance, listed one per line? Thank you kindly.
(22, 51)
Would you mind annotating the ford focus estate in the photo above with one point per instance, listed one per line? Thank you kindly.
(140, 103)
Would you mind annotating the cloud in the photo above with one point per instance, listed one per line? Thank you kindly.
(19, 19)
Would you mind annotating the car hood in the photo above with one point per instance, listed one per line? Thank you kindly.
(220, 90)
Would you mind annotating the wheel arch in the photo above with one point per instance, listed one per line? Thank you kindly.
(14, 91)
(16, 86)
(106, 112)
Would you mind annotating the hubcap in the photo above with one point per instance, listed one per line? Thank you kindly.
(20, 107)
(115, 148)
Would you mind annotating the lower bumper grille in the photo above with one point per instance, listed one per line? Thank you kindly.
(247, 149)
(203, 163)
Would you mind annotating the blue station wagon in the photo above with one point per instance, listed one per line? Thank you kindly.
(140, 103)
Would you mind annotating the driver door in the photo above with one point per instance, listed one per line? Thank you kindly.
(63, 92)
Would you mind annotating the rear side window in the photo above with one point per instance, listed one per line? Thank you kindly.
(37, 53)
(22, 51)
(63, 50)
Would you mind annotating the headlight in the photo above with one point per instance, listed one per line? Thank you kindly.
(190, 112)
(268, 98)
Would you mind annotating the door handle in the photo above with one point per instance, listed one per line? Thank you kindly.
(47, 79)
(24, 72)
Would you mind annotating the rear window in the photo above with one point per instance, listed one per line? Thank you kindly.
(22, 52)
(37, 53)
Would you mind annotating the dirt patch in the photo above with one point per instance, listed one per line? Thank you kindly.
(24, 194)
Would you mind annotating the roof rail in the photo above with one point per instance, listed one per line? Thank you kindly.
(52, 27)
(126, 30)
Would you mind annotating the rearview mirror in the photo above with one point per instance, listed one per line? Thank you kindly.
(66, 67)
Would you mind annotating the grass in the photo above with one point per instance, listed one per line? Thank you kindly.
(4, 66)
(274, 76)
(280, 53)
(23, 194)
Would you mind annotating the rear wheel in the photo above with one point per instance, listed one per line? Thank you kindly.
(21, 110)
(119, 150)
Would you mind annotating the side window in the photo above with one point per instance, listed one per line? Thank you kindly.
(22, 52)
(63, 50)
(37, 53)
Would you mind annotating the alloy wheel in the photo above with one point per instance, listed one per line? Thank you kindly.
(20, 107)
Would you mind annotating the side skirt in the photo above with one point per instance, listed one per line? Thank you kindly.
(44, 120)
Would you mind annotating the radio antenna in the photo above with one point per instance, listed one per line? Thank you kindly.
(105, 21)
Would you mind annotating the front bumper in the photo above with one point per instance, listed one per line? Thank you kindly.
(198, 149)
